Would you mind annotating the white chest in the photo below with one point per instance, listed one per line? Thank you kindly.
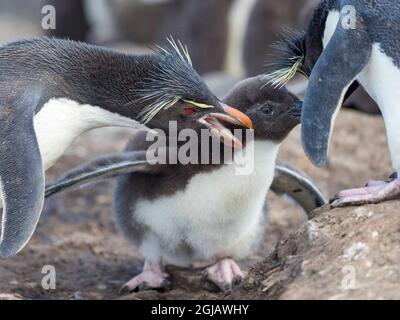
(60, 121)
(330, 26)
(217, 209)
(381, 78)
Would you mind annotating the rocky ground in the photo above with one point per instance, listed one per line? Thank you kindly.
(348, 253)
(341, 253)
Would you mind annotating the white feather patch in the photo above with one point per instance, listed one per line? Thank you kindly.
(60, 121)
(218, 214)
(381, 78)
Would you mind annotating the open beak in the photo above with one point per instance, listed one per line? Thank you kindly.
(234, 117)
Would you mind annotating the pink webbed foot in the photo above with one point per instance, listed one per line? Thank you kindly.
(225, 274)
(152, 277)
(374, 192)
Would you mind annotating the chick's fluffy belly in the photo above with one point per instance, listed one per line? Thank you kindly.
(219, 213)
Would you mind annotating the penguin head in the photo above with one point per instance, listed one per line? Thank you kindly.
(273, 112)
(174, 91)
(289, 58)
(298, 51)
(188, 114)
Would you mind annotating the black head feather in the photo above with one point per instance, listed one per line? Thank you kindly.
(172, 78)
(288, 58)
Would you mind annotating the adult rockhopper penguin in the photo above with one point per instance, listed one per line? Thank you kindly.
(179, 214)
(347, 43)
(52, 90)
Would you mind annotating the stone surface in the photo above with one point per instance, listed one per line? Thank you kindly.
(347, 253)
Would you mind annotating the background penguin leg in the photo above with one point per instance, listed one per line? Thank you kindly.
(367, 195)
(21, 175)
(378, 191)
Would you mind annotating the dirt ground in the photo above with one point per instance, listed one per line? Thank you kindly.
(77, 236)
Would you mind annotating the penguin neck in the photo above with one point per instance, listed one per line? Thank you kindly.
(97, 76)
(318, 32)
(114, 87)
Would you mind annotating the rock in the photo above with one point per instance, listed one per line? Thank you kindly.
(346, 253)
(9, 296)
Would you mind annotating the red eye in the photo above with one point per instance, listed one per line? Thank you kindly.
(189, 111)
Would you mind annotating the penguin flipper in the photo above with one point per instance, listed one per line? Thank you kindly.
(21, 174)
(100, 169)
(345, 56)
(290, 181)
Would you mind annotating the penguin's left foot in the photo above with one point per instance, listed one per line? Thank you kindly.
(152, 277)
(226, 274)
(374, 192)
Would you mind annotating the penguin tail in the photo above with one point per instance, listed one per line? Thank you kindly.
(298, 186)
(99, 169)
(345, 56)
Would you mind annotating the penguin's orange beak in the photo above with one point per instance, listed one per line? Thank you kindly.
(239, 118)
(232, 116)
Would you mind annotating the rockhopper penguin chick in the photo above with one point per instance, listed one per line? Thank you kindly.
(347, 43)
(178, 214)
(51, 91)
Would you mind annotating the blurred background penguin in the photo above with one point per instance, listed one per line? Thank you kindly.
(229, 40)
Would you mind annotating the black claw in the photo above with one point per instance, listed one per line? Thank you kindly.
(124, 290)
(225, 287)
(165, 285)
(394, 176)
(237, 281)
(336, 204)
(143, 286)
(334, 198)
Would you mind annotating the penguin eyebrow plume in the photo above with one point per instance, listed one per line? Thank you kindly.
(171, 79)
(288, 58)
(180, 49)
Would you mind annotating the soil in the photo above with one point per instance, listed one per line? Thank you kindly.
(77, 236)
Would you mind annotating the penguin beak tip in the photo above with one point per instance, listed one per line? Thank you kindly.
(239, 118)
(225, 135)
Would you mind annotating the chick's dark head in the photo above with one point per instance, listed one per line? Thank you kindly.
(274, 112)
